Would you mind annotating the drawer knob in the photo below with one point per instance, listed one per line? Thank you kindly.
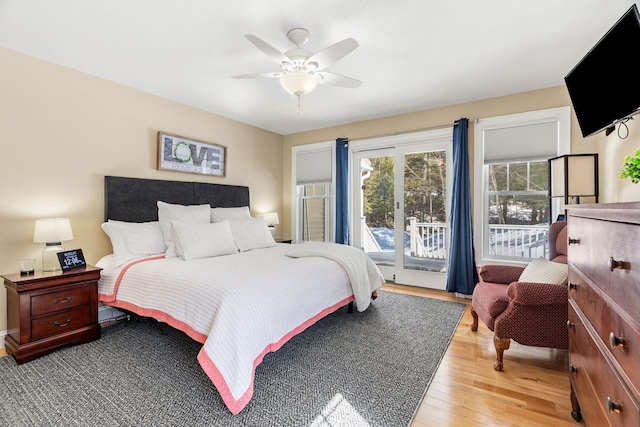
(613, 264)
(613, 406)
(62, 325)
(67, 299)
(615, 341)
(571, 325)
(573, 241)
(573, 369)
(573, 286)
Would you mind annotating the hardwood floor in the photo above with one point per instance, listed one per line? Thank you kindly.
(533, 389)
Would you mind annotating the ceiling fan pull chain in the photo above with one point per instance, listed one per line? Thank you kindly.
(299, 104)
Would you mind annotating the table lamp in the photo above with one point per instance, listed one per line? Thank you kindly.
(52, 232)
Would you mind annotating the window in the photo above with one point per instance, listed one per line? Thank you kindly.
(316, 203)
(313, 169)
(511, 204)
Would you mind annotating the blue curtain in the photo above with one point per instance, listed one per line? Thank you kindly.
(342, 191)
(462, 275)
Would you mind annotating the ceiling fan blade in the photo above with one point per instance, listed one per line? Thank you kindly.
(333, 53)
(275, 74)
(269, 50)
(333, 79)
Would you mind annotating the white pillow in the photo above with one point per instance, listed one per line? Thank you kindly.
(251, 233)
(541, 270)
(202, 240)
(192, 214)
(221, 214)
(131, 240)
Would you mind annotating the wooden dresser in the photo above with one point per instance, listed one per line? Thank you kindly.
(604, 313)
(47, 310)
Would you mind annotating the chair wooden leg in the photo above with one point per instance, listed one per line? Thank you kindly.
(474, 325)
(501, 345)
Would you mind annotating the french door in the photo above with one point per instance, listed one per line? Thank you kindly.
(400, 202)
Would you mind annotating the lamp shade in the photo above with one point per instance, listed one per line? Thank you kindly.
(299, 83)
(271, 218)
(573, 175)
(52, 230)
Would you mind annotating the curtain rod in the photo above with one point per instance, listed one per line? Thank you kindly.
(404, 132)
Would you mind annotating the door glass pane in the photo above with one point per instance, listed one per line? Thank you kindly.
(377, 178)
(425, 211)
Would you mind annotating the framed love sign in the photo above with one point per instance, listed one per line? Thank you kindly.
(179, 154)
(71, 259)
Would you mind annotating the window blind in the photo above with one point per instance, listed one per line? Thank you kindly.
(521, 143)
(313, 167)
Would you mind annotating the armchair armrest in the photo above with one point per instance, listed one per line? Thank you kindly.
(527, 293)
(504, 274)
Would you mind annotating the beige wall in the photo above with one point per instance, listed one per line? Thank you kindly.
(611, 149)
(62, 130)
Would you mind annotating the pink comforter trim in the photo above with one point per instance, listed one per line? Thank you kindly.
(112, 297)
(235, 406)
(162, 317)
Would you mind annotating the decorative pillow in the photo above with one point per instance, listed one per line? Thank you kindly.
(221, 214)
(541, 270)
(192, 214)
(251, 234)
(202, 240)
(131, 240)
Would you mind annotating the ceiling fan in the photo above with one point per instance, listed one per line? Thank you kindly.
(301, 69)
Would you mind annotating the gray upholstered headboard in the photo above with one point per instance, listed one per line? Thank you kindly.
(135, 199)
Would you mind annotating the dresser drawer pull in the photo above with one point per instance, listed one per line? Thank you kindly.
(62, 325)
(573, 369)
(573, 241)
(573, 286)
(571, 325)
(615, 341)
(613, 406)
(67, 299)
(613, 264)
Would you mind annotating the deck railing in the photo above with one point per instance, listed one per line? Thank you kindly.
(427, 240)
(519, 241)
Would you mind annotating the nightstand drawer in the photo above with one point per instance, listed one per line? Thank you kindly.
(61, 300)
(60, 322)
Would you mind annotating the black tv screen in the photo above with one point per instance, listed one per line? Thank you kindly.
(604, 86)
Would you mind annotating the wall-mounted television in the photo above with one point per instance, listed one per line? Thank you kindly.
(605, 85)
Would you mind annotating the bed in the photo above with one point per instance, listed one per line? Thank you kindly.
(242, 299)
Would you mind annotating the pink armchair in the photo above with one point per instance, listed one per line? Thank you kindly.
(533, 314)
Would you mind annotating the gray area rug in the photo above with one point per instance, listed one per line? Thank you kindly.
(359, 369)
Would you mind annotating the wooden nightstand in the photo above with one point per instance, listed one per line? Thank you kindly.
(47, 310)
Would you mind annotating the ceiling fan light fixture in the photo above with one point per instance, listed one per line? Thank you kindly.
(299, 83)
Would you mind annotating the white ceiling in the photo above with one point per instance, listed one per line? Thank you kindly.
(413, 54)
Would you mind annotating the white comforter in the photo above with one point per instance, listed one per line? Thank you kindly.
(239, 306)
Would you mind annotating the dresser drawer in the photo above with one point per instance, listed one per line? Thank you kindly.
(592, 413)
(606, 320)
(60, 300)
(602, 378)
(598, 243)
(60, 322)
